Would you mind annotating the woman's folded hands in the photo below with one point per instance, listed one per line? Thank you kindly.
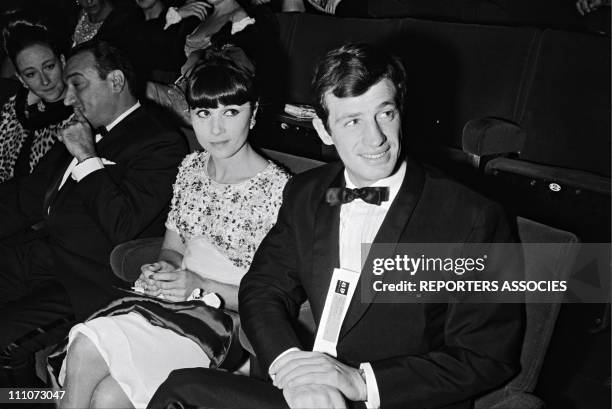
(165, 280)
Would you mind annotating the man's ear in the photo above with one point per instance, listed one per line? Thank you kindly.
(321, 131)
(117, 80)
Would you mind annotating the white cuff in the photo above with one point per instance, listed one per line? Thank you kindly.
(86, 167)
(242, 24)
(373, 398)
(282, 354)
(172, 17)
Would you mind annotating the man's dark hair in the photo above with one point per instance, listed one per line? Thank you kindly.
(351, 70)
(108, 58)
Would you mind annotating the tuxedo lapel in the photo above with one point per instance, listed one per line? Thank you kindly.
(325, 246)
(390, 231)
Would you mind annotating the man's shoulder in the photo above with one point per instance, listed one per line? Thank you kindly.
(455, 191)
(458, 204)
(149, 122)
(314, 181)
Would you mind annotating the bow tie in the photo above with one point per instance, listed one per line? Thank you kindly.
(340, 195)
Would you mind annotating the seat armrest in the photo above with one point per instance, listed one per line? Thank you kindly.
(492, 136)
(126, 258)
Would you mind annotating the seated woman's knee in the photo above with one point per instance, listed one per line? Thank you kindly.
(108, 394)
(82, 354)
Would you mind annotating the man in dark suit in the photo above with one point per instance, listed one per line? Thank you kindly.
(110, 181)
(388, 355)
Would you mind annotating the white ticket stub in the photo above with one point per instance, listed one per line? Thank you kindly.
(339, 295)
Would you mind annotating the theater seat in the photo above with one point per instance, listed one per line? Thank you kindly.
(557, 261)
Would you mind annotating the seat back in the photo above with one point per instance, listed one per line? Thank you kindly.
(567, 108)
(558, 261)
(8, 88)
(295, 164)
(456, 72)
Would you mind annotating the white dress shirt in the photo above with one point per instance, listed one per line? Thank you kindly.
(80, 170)
(359, 223)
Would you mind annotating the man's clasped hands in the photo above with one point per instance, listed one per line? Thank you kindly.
(311, 379)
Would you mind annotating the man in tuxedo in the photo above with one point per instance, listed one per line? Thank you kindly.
(109, 181)
(388, 355)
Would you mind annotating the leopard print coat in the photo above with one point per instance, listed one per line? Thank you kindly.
(13, 136)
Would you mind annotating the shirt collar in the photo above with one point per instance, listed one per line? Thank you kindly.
(123, 115)
(393, 182)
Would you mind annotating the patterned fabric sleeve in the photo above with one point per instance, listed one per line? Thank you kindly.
(11, 138)
(180, 184)
(268, 193)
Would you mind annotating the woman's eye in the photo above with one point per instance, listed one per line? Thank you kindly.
(202, 113)
(29, 75)
(231, 112)
(50, 67)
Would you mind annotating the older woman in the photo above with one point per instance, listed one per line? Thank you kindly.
(226, 198)
(30, 121)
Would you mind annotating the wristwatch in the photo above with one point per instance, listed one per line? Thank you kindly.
(210, 299)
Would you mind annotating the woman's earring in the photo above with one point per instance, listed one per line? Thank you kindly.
(252, 124)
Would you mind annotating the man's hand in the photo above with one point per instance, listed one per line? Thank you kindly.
(331, 6)
(314, 396)
(177, 285)
(198, 9)
(78, 137)
(305, 368)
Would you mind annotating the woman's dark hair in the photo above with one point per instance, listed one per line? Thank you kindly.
(22, 31)
(224, 76)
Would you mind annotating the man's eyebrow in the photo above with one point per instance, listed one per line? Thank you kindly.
(347, 116)
(385, 104)
(358, 113)
(74, 74)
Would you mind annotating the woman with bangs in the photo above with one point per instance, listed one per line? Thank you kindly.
(226, 198)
